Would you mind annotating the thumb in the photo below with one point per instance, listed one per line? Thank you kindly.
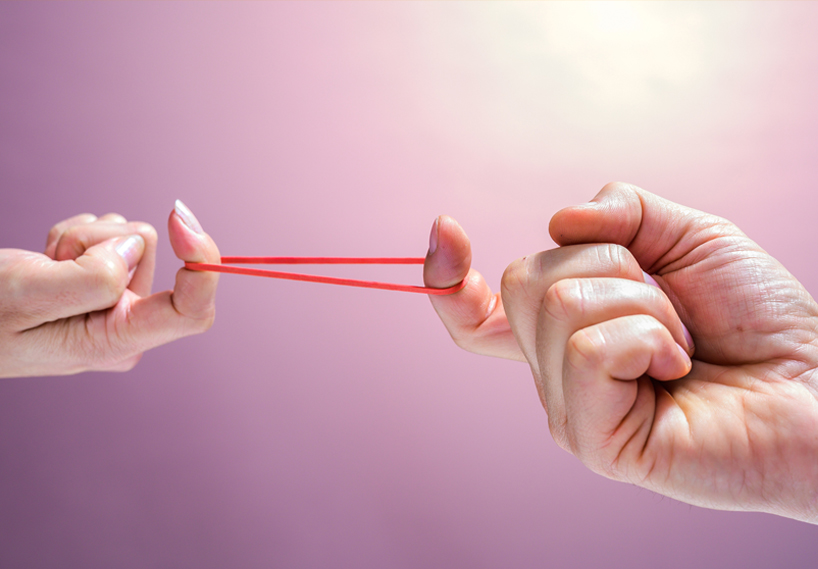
(194, 295)
(474, 317)
(190, 307)
(655, 230)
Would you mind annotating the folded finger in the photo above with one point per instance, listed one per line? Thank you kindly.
(526, 281)
(610, 396)
(58, 229)
(76, 240)
(94, 281)
(576, 303)
(112, 218)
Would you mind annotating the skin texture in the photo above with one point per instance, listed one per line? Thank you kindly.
(84, 306)
(728, 422)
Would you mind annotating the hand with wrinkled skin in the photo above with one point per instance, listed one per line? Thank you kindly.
(735, 428)
(86, 303)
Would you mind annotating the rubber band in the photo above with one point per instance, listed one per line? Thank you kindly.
(226, 267)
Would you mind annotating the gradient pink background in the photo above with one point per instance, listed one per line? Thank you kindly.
(317, 426)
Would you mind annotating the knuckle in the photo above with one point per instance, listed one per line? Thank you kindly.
(558, 428)
(514, 277)
(465, 342)
(148, 232)
(618, 187)
(113, 218)
(201, 324)
(129, 363)
(110, 279)
(616, 259)
(564, 299)
(207, 322)
(72, 243)
(584, 350)
(54, 232)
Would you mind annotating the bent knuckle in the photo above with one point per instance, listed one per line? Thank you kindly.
(148, 233)
(130, 363)
(565, 299)
(54, 232)
(619, 187)
(202, 323)
(558, 427)
(110, 279)
(585, 349)
(515, 277)
(73, 242)
(616, 259)
(462, 342)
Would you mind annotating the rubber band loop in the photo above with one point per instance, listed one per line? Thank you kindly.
(226, 267)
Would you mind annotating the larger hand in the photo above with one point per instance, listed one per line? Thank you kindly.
(609, 353)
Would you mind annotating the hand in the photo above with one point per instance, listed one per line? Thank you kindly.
(734, 428)
(86, 304)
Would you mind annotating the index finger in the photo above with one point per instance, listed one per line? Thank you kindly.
(56, 232)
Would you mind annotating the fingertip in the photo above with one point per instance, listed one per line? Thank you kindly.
(568, 222)
(189, 245)
(687, 363)
(612, 216)
(449, 257)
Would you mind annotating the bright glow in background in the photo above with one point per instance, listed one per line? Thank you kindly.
(329, 427)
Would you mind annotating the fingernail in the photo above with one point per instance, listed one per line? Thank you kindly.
(130, 249)
(433, 237)
(684, 355)
(187, 217)
(688, 337)
(650, 280)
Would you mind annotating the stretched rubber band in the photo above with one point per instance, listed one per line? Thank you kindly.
(226, 267)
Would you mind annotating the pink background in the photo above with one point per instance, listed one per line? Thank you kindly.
(318, 426)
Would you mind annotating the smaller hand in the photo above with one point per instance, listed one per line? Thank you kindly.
(86, 304)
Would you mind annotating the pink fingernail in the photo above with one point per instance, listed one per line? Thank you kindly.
(433, 237)
(688, 337)
(187, 217)
(650, 280)
(684, 353)
(130, 249)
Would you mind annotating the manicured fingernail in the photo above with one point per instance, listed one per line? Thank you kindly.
(684, 355)
(433, 237)
(187, 217)
(650, 280)
(130, 248)
(688, 337)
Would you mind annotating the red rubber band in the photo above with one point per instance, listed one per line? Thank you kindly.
(227, 261)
